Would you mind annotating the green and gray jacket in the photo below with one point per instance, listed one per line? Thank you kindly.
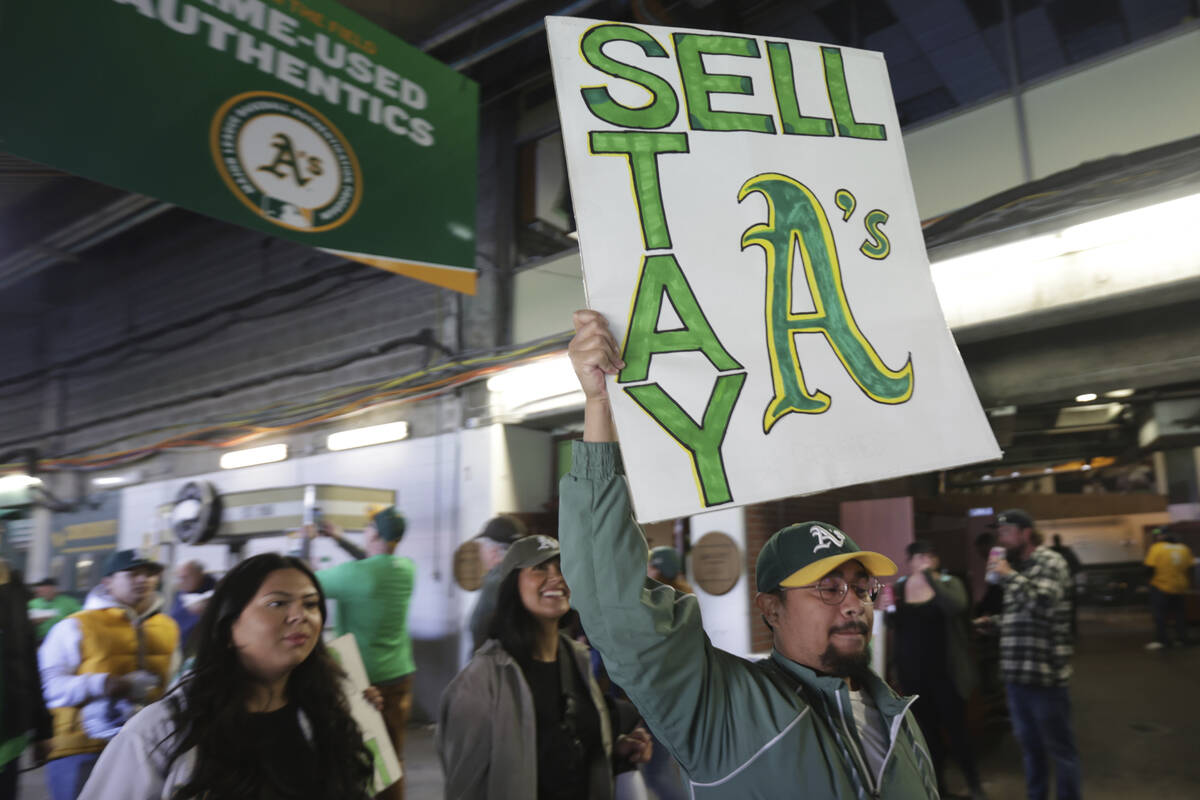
(740, 729)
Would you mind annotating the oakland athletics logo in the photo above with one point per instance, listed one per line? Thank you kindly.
(285, 161)
(826, 538)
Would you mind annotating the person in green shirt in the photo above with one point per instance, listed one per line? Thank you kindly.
(373, 593)
(48, 607)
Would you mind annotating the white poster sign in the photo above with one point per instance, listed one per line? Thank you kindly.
(344, 650)
(748, 228)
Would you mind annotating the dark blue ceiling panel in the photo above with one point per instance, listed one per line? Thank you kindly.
(1088, 28)
(1148, 17)
(910, 71)
(1039, 50)
(947, 33)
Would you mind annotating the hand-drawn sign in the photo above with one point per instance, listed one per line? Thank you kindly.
(748, 228)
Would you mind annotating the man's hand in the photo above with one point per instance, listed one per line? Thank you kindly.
(373, 696)
(594, 353)
(636, 747)
(1001, 567)
(323, 528)
(117, 686)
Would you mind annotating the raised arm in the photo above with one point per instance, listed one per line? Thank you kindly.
(949, 592)
(649, 635)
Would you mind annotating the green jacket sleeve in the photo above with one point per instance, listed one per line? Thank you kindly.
(649, 635)
(950, 593)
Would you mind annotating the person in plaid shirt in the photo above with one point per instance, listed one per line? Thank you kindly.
(1035, 653)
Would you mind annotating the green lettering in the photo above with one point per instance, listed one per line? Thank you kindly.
(662, 279)
(663, 106)
(377, 757)
(881, 247)
(698, 84)
(641, 150)
(790, 118)
(844, 200)
(839, 98)
(797, 223)
(702, 442)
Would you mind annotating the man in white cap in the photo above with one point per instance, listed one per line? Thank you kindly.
(810, 721)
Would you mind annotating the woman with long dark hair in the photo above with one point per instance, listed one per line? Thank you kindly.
(260, 716)
(525, 720)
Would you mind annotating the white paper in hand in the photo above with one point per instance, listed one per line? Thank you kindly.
(344, 649)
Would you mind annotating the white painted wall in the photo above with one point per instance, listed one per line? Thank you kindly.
(726, 617)
(545, 295)
(422, 471)
(1104, 540)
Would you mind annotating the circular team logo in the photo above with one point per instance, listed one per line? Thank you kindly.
(286, 161)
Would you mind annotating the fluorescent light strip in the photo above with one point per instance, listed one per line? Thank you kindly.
(364, 437)
(17, 480)
(236, 459)
(1083, 262)
(108, 480)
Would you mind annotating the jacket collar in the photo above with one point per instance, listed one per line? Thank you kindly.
(829, 687)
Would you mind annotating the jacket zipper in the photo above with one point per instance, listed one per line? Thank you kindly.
(896, 721)
(854, 748)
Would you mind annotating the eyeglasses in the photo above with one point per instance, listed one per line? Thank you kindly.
(832, 589)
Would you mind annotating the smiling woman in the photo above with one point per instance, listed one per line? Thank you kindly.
(261, 714)
(526, 719)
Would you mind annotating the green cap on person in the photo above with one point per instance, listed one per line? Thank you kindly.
(802, 554)
(528, 551)
(389, 524)
(666, 560)
(122, 560)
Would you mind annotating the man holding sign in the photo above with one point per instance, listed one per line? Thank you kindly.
(812, 720)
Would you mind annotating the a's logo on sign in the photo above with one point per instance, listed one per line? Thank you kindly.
(826, 538)
(286, 162)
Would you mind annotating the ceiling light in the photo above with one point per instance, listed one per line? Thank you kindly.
(15, 481)
(1086, 397)
(236, 459)
(117, 480)
(364, 437)
(1086, 466)
(1119, 393)
(1080, 263)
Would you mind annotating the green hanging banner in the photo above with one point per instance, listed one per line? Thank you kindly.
(297, 119)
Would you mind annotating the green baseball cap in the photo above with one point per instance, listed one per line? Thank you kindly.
(389, 524)
(121, 560)
(528, 551)
(666, 561)
(802, 554)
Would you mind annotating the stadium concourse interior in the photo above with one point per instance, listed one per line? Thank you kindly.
(1054, 150)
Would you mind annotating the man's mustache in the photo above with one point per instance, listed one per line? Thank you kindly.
(851, 627)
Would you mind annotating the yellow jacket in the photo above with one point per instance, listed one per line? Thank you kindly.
(88, 646)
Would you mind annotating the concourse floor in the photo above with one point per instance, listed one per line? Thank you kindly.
(1135, 715)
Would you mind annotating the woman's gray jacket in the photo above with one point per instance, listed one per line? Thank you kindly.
(487, 730)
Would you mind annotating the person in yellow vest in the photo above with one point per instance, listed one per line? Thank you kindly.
(100, 665)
